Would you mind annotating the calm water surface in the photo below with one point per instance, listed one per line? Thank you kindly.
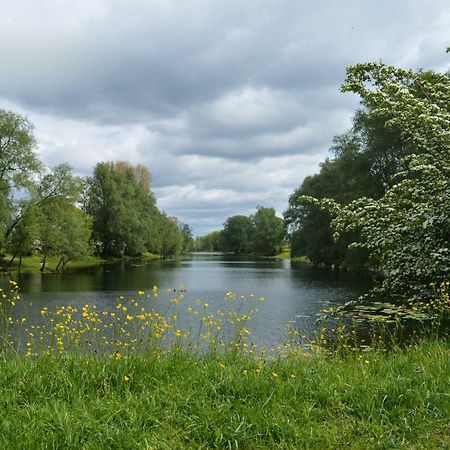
(294, 291)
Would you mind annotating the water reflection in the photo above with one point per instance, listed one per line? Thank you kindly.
(295, 291)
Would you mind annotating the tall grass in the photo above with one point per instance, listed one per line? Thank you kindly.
(395, 400)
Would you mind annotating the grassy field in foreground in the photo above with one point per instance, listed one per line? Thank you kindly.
(366, 400)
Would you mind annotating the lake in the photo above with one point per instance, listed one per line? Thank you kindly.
(295, 292)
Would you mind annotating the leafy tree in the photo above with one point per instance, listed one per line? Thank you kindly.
(188, 238)
(141, 174)
(18, 160)
(18, 163)
(211, 242)
(171, 237)
(124, 214)
(237, 235)
(24, 238)
(268, 232)
(408, 229)
(65, 231)
(365, 161)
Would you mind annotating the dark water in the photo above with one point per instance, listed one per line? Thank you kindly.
(295, 292)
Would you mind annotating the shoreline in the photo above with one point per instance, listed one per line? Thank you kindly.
(32, 264)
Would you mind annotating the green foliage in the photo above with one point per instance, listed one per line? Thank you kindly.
(188, 238)
(171, 237)
(382, 400)
(60, 183)
(124, 215)
(407, 230)
(118, 199)
(236, 235)
(18, 163)
(364, 164)
(267, 232)
(18, 160)
(65, 231)
(209, 243)
(24, 237)
(261, 234)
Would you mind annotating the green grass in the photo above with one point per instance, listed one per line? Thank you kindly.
(361, 401)
(33, 263)
(285, 252)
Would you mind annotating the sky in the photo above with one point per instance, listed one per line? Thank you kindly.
(230, 104)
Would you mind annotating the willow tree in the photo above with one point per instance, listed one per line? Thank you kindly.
(407, 231)
(122, 208)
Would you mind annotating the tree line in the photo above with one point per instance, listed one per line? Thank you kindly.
(53, 213)
(364, 163)
(260, 234)
(383, 200)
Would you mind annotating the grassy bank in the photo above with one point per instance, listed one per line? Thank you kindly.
(370, 400)
(286, 254)
(34, 263)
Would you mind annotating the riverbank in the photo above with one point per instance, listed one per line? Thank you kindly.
(362, 400)
(32, 264)
(285, 253)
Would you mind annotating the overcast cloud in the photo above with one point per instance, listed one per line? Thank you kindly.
(230, 104)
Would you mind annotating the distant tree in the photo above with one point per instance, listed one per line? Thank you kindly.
(171, 238)
(268, 232)
(211, 242)
(237, 234)
(188, 238)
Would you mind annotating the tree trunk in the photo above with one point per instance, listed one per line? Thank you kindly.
(64, 264)
(11, 261)
(43, 263)
(60, 261)
(20, 262)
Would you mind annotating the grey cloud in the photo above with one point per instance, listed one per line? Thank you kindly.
(230, 104)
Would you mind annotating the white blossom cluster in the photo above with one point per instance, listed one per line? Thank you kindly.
(407, 231)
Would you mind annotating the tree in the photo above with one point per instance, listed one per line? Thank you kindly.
(18, 160)
(211, 242)
(141, 174)
(24, 238)
(408, 229)
(18, 163)
(365, 161)
(124, 214)
(171, 238)
(65, 231)
(268, 232)
(237, 234)
(188, 238)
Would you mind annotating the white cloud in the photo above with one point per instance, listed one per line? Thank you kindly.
(230, 104)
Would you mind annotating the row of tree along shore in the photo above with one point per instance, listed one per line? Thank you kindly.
(63, 217)
(259, 234)
(382, 201)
